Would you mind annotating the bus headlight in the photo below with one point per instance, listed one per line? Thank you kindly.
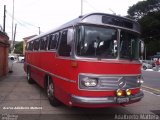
(89, 82)
(140, 80)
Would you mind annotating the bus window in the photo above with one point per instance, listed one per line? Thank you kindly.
(97, 42)
(56, 40)
(34, 47)
(43, 43)
(30, 47)
(50, 39)
(65, 46)
(129, 45)
(53, 42)
(36, 44)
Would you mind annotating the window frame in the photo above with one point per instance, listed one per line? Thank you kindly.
(51, 39)
(43, 43)
(90, 25)
(60, 39)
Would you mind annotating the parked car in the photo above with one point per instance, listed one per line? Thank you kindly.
(21, 59)
(147, 64)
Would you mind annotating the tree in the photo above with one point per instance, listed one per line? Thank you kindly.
(19, 48)
(142, 8)
(147, 13)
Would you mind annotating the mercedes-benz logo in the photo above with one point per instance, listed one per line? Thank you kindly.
(121, 82)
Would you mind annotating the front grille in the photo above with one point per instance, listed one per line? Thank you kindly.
(111, 82)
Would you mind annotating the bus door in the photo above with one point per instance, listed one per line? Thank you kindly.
(63, 60)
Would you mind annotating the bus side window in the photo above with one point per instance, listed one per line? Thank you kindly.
(56, 40)
(43, 44)
(49, 44)
(53, 40)
(36, 44)
(30, 47)
(65, 44)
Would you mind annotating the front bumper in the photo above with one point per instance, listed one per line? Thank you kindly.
(106, 100)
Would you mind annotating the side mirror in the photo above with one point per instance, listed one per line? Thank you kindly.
(141, 49)
(142, 45)
(70, 35)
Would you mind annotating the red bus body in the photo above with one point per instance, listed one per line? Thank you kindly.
(67, 72)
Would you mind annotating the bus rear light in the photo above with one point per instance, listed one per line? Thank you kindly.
(89, 82)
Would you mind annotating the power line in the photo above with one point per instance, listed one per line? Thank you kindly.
(91, 5)
(22, 23)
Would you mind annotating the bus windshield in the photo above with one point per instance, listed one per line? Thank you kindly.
(129, 45)
(102, 42)
(97, 42)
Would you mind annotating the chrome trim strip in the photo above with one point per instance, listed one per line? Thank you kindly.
(104, 100)
(39, 51)
(108, 75)
(60, 77)
(118, 61)
(91, 100)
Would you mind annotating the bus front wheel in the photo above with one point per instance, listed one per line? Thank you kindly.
(29, 79)
(51, 93)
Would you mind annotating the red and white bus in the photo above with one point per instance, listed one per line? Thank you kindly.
(91, 61)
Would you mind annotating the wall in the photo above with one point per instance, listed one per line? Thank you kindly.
(4, 48)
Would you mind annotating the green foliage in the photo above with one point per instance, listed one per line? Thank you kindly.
(19, 48)
(143, 8)
(147, 13)
(150, 24)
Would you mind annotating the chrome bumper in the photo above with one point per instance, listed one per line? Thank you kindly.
(105, 100)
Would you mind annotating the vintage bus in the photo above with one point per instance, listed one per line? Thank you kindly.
(91, 61)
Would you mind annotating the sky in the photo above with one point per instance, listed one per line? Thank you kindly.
(29, 15)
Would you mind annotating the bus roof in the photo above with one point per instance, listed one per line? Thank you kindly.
(99, 19)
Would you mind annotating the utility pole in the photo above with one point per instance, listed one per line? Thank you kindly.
(14, 37)
(81, 7)
(39, 30)
(4, 19)
(12, 46)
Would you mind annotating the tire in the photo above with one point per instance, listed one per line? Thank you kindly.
(144, 67)
(22, 61)
(51, 93)
(29, 79)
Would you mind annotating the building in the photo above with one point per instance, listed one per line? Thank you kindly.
(4, 49)
(25, 41)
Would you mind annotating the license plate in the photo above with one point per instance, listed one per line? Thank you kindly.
(122, 100)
